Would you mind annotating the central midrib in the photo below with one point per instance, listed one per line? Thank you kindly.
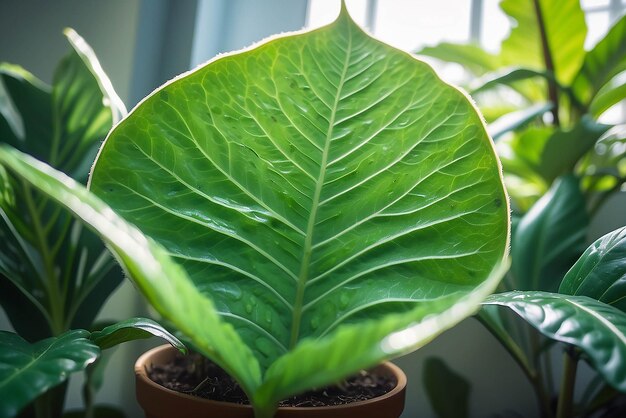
(308, 240)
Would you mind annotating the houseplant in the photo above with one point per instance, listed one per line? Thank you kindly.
(560, 166)
(330, 201)
(54, 273)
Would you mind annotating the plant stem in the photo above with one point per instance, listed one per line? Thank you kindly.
(51, 281)
(538, 386)
(264, 412)
(553, 93)
(566, 396)
(50, 403)
(605, 195)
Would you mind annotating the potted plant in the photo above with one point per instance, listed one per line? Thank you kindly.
(55, 274)
(301, 210)
(561, 164)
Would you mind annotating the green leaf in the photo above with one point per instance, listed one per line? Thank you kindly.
(49, 264)
(326, 192)
(565, 148)
(314, 363)
(28, 370)
(84, 107)
(605, 60)
(448, 391)
(550, 237)
(596, 328)
(63, 124)
(147, 264)
(133, 329)
(610, 94)
(564, 30)
(25, 111)
(472, 57)
(600, 272)
(508, 77)
(518, 119)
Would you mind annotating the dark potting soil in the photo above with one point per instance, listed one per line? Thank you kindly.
(195, 375)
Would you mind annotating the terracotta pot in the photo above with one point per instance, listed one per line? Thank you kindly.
(159, 402)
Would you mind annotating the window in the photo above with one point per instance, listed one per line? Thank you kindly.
(412, 24)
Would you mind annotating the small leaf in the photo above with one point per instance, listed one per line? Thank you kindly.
(448, 391)
(596, 328)
(600, 272)
(28, 370)
(565, 148)
(550, 237)
(609, 95)
(508, 77)
(134, 329)
(518, 119)
(472, 57)
(84, 107)
(26, 117)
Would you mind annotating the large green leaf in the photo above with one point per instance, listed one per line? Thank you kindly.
(605, 60)
(324, 190)
(162, 281)
(562, 26)
(28, 370)
(596, 328)
(600, 272)
(550, 237)
(49, 266)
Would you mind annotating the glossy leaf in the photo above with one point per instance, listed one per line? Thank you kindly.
(564, 30)
(48, 263)
(609, 95)
(565, 148)
(133, 329)
(448, 391)
(147, 264)
(596, 328)
(324, 190)
(550, 237)
(84, 107)
(604, 61)
(600, 272)
(314, 363)
(28, 370)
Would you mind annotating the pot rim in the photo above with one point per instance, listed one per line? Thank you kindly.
(144, 360)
